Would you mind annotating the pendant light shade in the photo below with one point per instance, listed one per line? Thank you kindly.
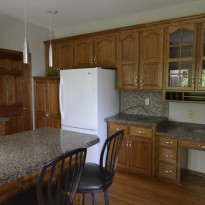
(25, 45)
(50, 55)
(25, 52)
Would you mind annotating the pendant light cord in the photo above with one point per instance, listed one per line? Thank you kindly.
(25, 16)
(50, 26)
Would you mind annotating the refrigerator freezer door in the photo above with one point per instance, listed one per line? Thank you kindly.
(93, 151)
(78, 98)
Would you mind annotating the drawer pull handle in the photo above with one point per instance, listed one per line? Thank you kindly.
(168, 155)
(167, 171)
(202, 146)
(141, 132)
(118, 129)
(168, 142)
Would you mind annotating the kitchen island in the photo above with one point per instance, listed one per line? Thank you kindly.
(22, 154)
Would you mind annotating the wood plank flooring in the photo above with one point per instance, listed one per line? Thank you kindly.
(129, 189)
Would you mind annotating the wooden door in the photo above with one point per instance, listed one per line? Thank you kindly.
(128, 60)
(47, 113)
(15, 86)
(83, 50)
(151, 59)
(41, 115)
(180, 51)
(141, 155)
(53, 110)
(105, 50)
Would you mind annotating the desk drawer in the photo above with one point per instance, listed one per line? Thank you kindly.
(168, 171)
(194, 145)
(168, 155)
(141, 131)
(170, 142)
(114, 127)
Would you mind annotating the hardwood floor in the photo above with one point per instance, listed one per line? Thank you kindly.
(129, 189)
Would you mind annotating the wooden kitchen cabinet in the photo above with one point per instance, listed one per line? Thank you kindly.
(97, 51)
(47, 113)
(137, 150)
(141, 59)
(63, 56)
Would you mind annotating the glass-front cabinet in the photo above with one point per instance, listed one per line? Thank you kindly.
(180, 57)
(201, 67)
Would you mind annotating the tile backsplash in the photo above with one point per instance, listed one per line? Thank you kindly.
(135, 100)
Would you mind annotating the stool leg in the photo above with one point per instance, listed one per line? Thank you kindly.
(106, 197)
(93, 199)
(83, 199)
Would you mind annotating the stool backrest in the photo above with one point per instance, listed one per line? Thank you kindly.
(110, 153)
(67, 170)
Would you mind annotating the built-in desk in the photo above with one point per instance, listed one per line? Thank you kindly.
(22, 154)
(172, 144)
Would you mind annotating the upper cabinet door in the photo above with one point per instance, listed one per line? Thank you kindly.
(128, 59)
(151, 59)
(84, 53)
(66, 55)
(180, 57)
(201, 65)
(105, 50)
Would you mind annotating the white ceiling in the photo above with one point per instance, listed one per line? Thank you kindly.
(79, 12)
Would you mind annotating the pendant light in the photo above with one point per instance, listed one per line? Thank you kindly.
(50, 55)
(25, 45)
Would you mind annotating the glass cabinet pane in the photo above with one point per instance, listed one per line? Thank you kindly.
(203, 75)
(181, 43)
(187, 36)
(175, 37)
(180, 74)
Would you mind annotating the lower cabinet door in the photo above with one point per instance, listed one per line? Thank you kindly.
(141, 155)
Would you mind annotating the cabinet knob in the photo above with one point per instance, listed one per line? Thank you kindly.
(168, 142)
(140, 132)
(25, 108)
(46, 114)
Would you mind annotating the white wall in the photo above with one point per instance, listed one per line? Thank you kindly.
(12, 37)
(185, 9)
(179, 112)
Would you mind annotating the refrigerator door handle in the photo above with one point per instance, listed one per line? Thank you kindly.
(61, 98)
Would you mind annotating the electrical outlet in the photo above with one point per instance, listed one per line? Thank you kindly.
(147, 101)
(191, 114)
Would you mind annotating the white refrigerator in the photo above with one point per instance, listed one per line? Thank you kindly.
(87, 96)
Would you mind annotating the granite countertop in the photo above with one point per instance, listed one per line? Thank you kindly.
(24, 152)
(149, 121)
(182, 130)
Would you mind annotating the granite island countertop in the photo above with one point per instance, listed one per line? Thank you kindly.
(149, 121)
(24, 152)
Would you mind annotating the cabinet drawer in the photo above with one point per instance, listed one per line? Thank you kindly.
(171, 142)
(194, 145)
(114, 127)
(168, 171)
(168, 155)
(141, 131)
